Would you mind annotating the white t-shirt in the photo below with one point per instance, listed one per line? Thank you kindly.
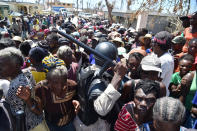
(167, 66)
(4, 85)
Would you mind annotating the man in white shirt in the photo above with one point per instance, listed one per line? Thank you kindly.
(161, 45)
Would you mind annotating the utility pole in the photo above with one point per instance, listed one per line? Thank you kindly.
(82, 4)
(77, 5)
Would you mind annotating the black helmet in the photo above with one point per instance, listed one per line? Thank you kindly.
(108, 50)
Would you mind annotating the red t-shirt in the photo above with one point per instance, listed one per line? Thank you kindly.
(125, 122)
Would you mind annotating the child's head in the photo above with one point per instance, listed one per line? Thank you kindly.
(192, 47)
(185, 64)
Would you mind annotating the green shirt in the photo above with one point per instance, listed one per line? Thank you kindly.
(176, 78)
(190, 96)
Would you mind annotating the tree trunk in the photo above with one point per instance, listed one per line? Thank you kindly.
(189, 4)
(109, 8)
(77, 6)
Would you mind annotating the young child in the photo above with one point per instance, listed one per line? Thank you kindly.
(185, 65)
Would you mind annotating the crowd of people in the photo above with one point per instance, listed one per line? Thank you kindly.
(143, 82)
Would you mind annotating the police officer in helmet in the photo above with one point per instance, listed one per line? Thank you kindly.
(98, 94)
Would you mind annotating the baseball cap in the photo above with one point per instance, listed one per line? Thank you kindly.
(151, 63)
(179, 40)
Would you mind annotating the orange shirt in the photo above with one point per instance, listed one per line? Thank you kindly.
(188, 37)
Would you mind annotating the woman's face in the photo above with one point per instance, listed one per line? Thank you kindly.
(133, 65)
(58, 85)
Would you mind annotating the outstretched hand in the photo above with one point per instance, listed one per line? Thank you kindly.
(24, 93)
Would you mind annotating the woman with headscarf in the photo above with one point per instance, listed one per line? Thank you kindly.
(11, 60)
(55, 96)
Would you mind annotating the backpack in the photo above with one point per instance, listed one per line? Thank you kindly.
(6, 116)
(86, 113)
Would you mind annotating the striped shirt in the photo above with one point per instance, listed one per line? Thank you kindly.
(125, 122)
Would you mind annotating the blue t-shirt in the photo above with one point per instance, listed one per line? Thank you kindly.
(194, 101)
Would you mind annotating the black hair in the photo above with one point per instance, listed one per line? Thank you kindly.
(68, 31)
(38, 53)
(138, 56)
(165, 47)
(25, 47)
(53, 36)
(10, 43)
(102, 39)
(163, 36)
(84, 39)
(187, 57)
(148, 86)
(194, 40)
(54, 30)
(143, 31)
(44, 27)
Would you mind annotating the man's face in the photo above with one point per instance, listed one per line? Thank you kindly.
(156, 48)
(177, 47)
(17, 44)
(192, 49)
(186, 23)
(147, 42)
(151, 75)
(144, 102)
(185, 66)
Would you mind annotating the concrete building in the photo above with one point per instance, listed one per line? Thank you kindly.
(153, 21)
(4, 9)
(56, 5)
